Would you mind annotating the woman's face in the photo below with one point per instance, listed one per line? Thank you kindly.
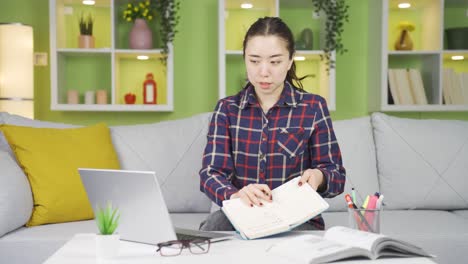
(267, 63)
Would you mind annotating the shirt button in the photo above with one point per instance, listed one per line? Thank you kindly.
(264, 139)
(262, 156)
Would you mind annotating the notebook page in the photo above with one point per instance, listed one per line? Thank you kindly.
(298, 203)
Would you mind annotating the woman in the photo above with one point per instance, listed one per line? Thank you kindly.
(270, 132)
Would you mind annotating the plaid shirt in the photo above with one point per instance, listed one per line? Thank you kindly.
(246, 145)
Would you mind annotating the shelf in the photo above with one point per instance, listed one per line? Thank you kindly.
(111, 66)
(298, 15)
(429, 55)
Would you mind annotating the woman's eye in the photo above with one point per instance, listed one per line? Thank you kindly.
(254, 61)
(275, 62)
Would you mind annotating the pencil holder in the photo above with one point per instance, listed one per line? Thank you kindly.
(364, 219)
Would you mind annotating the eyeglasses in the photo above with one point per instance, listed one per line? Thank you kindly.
(174, 247)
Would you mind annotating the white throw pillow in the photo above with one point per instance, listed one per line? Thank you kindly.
(16, 202)
(422, 164)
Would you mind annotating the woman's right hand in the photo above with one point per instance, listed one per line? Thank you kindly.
(254, 194)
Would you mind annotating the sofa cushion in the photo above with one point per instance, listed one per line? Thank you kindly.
(16, 203)
(172, 149)
(6, 118)
(462, 213)
(50, 158)
(422, 163)
(357, 147)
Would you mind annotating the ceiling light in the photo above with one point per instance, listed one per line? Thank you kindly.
(458, 57)
(404, 5)
(88, 2)
(299, 58)
(246, 5)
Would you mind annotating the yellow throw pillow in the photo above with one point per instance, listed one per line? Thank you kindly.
(50, 158)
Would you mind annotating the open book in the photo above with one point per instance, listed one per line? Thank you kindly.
(342, 243)
(292, 206)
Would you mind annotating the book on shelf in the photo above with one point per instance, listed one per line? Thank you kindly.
(340, 243)
(417, 86)
(292, 206)
(447, 86)
(393, 87)
(403, 86)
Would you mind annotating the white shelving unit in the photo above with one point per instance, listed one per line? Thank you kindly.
(429, 55)
(233, 22)
(111, 66)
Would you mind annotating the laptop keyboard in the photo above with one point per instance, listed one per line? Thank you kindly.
(190, 237)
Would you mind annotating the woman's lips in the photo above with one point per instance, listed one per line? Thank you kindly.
(264, 85)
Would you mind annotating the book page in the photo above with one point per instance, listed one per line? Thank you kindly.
(314, 249)
(354, 238)
(298, 203)
(254, 221)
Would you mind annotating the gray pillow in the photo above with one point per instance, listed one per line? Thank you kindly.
(16, 202)
(422, 164)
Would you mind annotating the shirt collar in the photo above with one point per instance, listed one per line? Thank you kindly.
(289, 96)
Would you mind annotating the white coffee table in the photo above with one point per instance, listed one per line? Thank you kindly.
(81, 249)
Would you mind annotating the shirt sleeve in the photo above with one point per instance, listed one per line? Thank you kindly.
(325, 152)
(217, 165)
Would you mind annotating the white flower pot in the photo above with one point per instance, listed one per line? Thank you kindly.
(107, 246)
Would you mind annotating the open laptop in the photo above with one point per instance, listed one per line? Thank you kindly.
(144, 217)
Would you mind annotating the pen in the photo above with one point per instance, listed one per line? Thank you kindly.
(379, 201)
(353, 195)
(364, 205)
(351, 205)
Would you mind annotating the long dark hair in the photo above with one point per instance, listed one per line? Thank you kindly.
(267, 26)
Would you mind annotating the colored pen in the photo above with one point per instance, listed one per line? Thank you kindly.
(380, 201)
(351, 205)
(364, 205)
(353, 194)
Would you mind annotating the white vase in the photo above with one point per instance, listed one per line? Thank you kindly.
(107, 246)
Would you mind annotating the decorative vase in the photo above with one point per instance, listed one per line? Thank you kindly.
(141, 36)
(404, 41)
(107, 246)
(86, 42)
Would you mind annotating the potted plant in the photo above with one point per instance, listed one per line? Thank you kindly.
(86, 39)
(336, 12)
(141, 12)
(107, 241)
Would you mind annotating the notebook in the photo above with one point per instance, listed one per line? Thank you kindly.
(144, 217)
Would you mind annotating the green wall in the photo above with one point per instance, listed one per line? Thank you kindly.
(195, 73)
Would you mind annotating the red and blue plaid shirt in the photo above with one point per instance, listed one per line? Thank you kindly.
(246, 145)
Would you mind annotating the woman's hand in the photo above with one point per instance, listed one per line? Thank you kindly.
(314, 177)
(254, 194)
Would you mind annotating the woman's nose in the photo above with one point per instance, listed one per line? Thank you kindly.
(264, 69)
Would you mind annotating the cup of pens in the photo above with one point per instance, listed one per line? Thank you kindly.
(364, 219)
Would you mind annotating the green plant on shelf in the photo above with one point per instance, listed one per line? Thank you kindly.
(336, 12)
(86, 24)
(107, 219)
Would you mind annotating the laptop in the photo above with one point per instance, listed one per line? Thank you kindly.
(144, 217)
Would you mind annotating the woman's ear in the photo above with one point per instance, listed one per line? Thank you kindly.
(291, 61)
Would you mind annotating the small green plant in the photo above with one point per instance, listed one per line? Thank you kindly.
(86, 24)
(107, 219)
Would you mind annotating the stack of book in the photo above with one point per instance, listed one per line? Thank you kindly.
(455, 87)
(406, 87)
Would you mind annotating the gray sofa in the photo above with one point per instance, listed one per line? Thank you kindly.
(419, 165)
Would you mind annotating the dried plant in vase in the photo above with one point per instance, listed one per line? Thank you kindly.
(86, 38)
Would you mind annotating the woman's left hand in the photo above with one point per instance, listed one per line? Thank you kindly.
(314, 177)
